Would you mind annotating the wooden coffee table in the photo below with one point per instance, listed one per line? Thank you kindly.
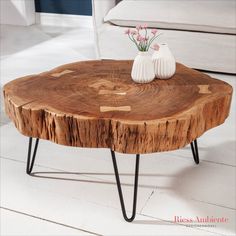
(96, 104)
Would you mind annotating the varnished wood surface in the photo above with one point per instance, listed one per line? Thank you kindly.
(96, 104)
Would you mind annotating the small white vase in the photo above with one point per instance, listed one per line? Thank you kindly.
(164, 62)
(143, 70)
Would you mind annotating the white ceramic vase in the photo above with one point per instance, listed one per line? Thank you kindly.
(143, 70)
(164, 62)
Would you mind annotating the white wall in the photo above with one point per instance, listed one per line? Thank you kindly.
(17, 12)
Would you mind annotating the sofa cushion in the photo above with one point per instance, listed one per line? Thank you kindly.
(217, 16)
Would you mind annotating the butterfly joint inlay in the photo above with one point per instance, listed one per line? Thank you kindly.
(108, 108)
(62, 73)
(115, 92)
(204, 89)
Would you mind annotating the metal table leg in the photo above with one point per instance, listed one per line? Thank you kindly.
(120, 190)
(194, 148)
(30, 161)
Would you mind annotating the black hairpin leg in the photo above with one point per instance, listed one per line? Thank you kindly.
(194, 148)
(30, 161)
(120, 190)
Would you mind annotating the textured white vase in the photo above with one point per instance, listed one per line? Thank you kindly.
(164, 62)
(143, 70)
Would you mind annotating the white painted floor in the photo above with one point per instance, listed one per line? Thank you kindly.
(74, 191)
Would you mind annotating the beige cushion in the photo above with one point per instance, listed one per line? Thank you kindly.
(217, 16)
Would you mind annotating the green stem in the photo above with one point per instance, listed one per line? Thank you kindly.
(133, 40)
(152, 39)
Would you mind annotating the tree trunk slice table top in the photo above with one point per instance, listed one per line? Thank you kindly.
(96, 104)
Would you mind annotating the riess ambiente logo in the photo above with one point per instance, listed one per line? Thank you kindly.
(199, 221)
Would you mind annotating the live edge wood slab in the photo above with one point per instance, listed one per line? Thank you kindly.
(96, 104)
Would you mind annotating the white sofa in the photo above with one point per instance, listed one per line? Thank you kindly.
(200, 33)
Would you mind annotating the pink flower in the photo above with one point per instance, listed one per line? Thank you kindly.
(140, 38)
(127, 31)
(138, 27)
(154, 31)
(144, 26)
(133, 32)
(156, 47)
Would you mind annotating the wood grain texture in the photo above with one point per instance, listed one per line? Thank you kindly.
(64, 106)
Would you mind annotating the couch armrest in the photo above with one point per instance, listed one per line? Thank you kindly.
(100, 9)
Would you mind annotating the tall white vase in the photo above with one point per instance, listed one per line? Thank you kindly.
(164, 62)
(143, 70)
